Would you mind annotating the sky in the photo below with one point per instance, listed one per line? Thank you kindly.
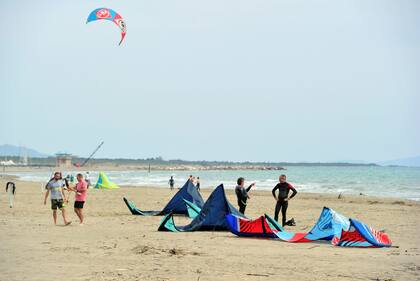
(234, 80)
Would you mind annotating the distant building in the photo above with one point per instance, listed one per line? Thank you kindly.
(63, 160)
(7, 163)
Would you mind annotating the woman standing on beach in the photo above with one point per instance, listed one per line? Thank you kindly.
(56, 187)
(80, 198)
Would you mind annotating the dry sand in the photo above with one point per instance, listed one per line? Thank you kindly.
(115, 245)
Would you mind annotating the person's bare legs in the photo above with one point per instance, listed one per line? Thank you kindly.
(55, 216)
(63, 212)
(79, 214)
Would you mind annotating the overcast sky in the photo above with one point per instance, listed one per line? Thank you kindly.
(214, 80)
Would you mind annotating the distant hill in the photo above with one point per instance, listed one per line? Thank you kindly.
(13, 150)
(410, 162)
(353, 162)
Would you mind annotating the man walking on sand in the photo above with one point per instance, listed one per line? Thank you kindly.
(56, 187)
(171, 183)
(283, 198)
(197, 183)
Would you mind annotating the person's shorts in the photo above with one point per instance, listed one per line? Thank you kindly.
(57, 203)
(79, 204)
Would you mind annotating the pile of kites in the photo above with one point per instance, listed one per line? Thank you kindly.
(217, 213)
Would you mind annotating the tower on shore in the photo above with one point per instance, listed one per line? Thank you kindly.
(63, 160)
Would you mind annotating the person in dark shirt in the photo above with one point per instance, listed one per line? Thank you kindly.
(171, 182)
(283, 198)
(197, 183)
(242, 194)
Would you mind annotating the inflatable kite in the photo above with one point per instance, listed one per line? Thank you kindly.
(262, 227)
(104, 182)
(361, 235)
(331, 226)
(211, 217)
(111, 15)
(192, 209)
(176, 205)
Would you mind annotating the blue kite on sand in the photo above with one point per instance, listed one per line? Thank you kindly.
(331, 226)
(176, 205)
(212, 215)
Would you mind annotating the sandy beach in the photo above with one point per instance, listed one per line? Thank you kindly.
(115, 245)
(320, 97)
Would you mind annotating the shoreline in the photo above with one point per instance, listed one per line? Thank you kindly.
(259, 192)
(109, 166)
(380, 182)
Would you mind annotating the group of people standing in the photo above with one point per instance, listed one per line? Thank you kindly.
(282, 198)
(193, 180)
(57, 187)
(280, 193)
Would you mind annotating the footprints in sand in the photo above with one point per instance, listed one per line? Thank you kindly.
(150, 250)
(398, 203)
(108, 247)
(67, 249)
(406, 252)
(412, 267)
(142, 249)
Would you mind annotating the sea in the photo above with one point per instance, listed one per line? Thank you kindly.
(397, 182)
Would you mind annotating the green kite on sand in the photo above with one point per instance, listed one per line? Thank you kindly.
(104, 182)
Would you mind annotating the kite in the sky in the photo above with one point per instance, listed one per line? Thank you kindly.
(111, 15)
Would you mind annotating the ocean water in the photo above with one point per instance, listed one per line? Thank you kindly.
(400, 182)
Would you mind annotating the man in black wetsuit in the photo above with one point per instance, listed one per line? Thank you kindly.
(197, 183)
(283, 198)
(171, 182)
(242, 194)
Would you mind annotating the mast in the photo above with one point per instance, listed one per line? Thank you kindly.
(92, 154)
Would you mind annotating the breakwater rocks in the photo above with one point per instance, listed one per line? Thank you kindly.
(207, 168)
